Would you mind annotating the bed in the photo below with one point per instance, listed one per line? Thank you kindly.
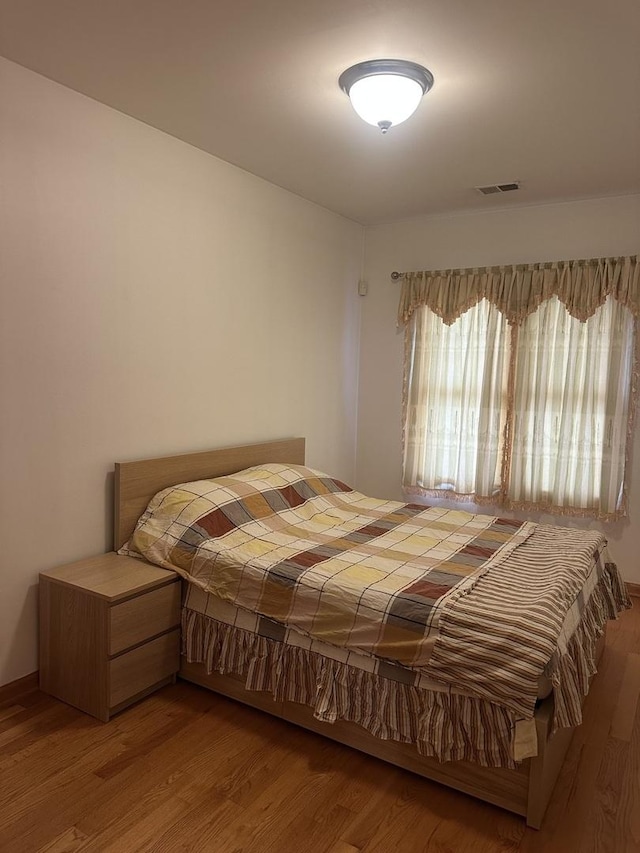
(229, 636)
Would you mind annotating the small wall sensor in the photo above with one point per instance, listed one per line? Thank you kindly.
(363, 288)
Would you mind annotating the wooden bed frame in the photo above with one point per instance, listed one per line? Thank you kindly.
(525, 791)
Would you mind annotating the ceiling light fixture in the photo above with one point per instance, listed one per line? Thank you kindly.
(385, 92)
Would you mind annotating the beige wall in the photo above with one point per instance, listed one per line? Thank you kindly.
(153, 300)
(524, 235)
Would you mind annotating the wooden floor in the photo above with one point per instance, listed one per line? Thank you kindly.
(186, 770)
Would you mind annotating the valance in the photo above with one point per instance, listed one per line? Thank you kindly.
(518, 290)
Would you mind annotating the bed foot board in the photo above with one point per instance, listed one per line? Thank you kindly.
(545, 768)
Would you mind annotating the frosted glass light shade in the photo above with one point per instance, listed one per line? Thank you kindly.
(385, 99)
(385, 92)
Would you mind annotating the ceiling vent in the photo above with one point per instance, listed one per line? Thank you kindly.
(499, 188)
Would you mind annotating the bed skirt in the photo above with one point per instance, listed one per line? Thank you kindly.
(446, 725)
(573, 665)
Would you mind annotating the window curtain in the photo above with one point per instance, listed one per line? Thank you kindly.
(456, 402)
(519, 384)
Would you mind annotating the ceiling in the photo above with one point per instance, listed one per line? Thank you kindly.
(545, 92)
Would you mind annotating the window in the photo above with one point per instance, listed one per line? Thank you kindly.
(531, 414)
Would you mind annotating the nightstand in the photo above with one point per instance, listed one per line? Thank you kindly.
(109, 632)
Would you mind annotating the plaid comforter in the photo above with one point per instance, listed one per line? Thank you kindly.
(305, 550)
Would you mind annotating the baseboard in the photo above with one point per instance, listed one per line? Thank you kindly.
(633, 588)
(21, 685)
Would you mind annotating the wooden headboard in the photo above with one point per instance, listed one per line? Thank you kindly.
(137, 482)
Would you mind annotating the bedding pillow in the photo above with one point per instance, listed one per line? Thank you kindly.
(191, 512)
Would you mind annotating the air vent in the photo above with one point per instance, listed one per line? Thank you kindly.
(499, 188)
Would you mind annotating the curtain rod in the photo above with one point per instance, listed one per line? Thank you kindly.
(396, 276)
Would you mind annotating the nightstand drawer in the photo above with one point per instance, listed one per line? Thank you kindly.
(143, 667)
(140, 618)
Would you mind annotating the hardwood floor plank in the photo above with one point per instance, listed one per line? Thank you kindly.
(45, 759)
(75, 790)
(435, 824)
(174, 774)
(343, 847)
(603, 822)
(419, 823)
(201, 757)
(198, 829)
(10, 711)
(25, 726)
(317, 830)
(42, 758)
(627, 826)
(69, 842)
(247, 776)
(272, 811)
(627, 707)
(371, 815)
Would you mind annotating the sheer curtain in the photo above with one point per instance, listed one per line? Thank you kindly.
(519, 384)
(571, 407)
(456, 401)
